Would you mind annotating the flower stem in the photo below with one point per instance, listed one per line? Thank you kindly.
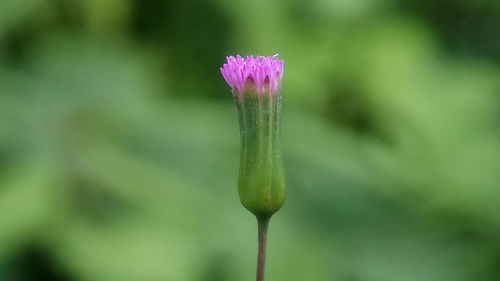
(261, 256)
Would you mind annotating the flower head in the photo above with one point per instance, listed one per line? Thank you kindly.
(256, 85)
(261, 73)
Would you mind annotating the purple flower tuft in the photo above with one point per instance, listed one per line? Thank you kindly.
(262, 73)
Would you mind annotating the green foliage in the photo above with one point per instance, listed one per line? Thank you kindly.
(119, 140)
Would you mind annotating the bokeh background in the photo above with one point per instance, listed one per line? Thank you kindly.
(119, 140)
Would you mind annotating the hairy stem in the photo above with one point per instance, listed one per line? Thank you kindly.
(261, 256)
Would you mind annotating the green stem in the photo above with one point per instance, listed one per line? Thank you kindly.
(261, 256)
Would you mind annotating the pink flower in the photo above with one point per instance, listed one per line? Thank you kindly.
(246, 73)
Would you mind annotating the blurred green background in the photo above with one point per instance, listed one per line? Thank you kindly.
(119, 140)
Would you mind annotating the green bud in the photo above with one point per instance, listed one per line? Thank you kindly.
(261, 182)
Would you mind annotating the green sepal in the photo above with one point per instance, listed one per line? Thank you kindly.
(261, 182)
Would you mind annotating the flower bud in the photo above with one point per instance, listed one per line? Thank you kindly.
(256, 86)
